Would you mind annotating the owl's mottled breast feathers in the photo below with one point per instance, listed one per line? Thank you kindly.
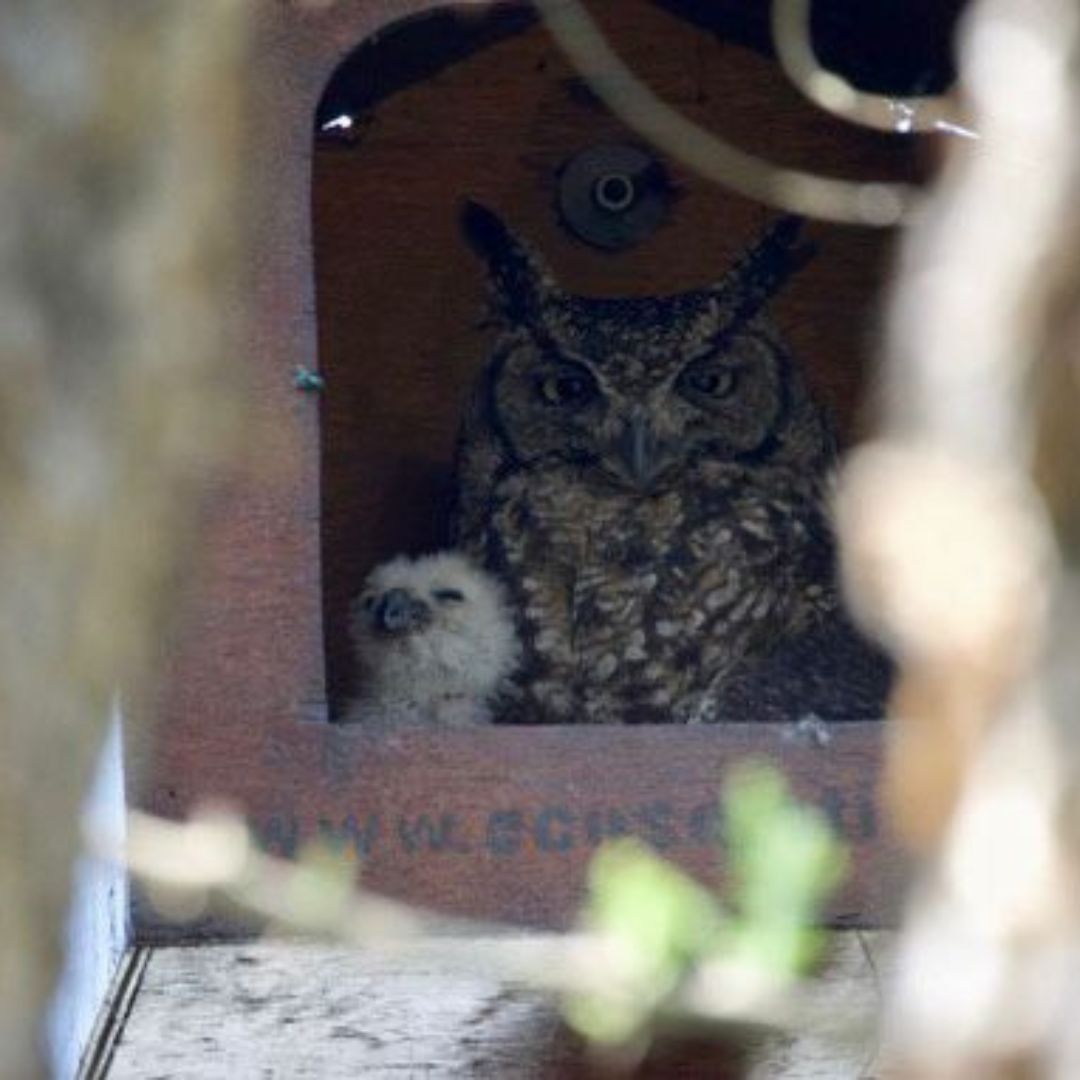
(645, 475)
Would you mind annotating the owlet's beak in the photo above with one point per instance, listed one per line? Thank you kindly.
(398, 611)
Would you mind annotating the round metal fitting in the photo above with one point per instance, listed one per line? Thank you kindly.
(613, 195)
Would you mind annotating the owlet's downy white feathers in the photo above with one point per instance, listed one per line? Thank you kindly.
(435, 642)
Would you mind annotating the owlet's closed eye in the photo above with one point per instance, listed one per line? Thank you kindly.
(448, 596)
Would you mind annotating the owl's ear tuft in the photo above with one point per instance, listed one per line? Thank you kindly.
(764, 269)
(519, 278)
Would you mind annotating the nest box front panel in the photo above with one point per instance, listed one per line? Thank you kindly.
(494, 820)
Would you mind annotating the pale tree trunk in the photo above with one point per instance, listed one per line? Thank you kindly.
(960, 542)
(119, 140)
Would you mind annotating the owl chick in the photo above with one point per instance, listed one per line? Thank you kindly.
(435, 642)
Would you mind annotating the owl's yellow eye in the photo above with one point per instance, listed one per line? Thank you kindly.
(566, 388)
(713, 382)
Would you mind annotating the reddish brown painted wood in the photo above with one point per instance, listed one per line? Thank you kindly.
(330, 487)
(500, 822)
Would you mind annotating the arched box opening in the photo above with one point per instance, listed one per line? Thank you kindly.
(481, 106)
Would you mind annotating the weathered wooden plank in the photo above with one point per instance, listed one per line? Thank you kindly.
(501, 822)
(288, 1010)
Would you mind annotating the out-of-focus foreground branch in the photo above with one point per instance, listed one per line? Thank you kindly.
(119, 129)
(960, 539)
(585, 45)
(827, 90)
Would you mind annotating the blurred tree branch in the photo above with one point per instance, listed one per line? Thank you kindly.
(960, 552)
(827, 90)
(119, 127)
(585, 45)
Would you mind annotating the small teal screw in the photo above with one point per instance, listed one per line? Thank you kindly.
(310, 382)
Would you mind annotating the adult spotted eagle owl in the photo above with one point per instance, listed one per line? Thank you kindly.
(646, 476)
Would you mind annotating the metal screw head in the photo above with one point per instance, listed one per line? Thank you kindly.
(308, 381)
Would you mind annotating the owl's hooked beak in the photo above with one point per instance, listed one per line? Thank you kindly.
(640, 451)
(398, 611)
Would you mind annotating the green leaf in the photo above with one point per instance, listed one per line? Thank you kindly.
(660, 923)
(651, 905)
(784, 862)
(658, 920)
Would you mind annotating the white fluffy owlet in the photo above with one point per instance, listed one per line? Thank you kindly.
(435, 641)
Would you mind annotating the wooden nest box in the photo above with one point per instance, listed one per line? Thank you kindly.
(372, 121)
